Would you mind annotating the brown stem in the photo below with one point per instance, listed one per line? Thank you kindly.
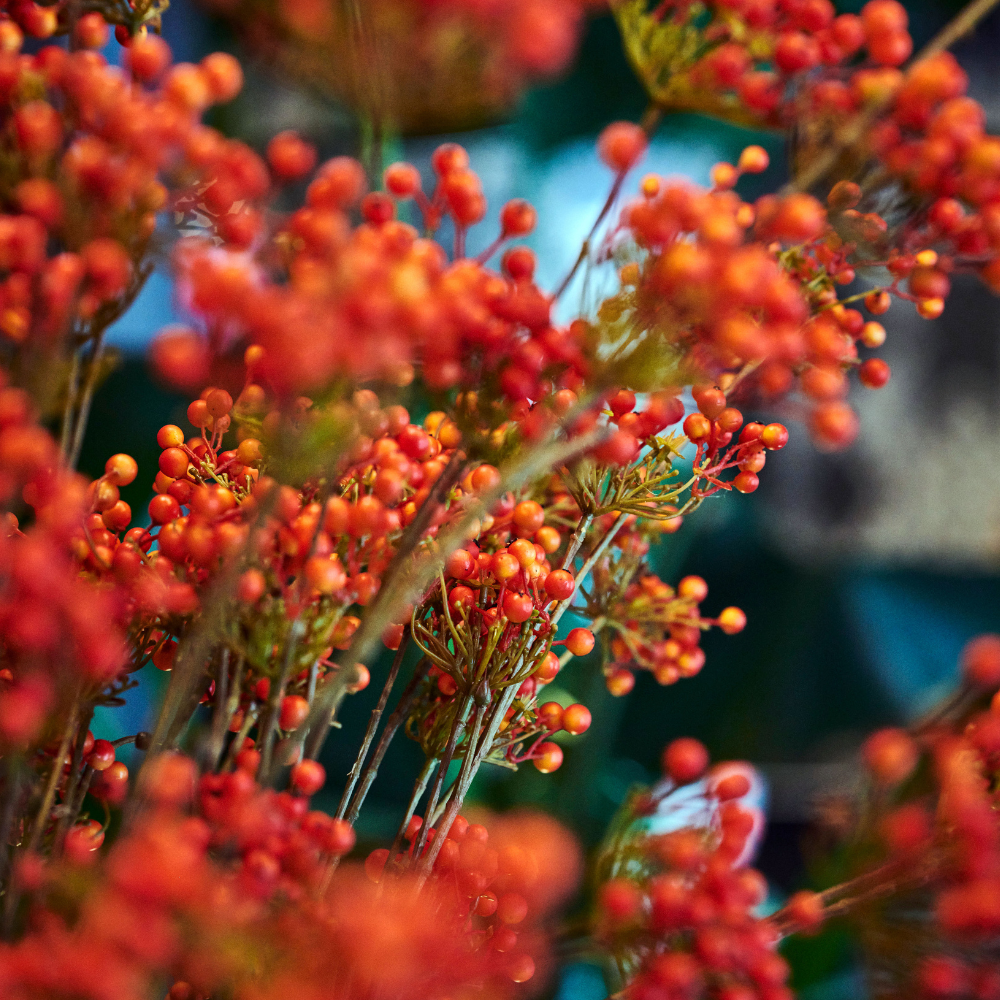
(384, 605)
(83, 413)
(75, 774)
(418, 790)
(239, 738)
(475, 755)
(269, 720)
(589, 565)
(10, 770)
(67, 415)
(392, 725)
(956, 28)
(457, 727)
(352, 778)
(886, 880)
(226, 703)
(650, 122)
(53, 783)
(81, 792)
(576, 540)
(409, 578)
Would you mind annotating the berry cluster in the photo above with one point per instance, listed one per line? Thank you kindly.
(454, 62)
(677, 909)
(371, 301)
(61, 634)
(927, 843)
(763, 61)
(747, 294)
(219, 869)
(658, 628)
(304, 517)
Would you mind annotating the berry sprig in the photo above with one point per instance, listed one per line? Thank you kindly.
(676, 909)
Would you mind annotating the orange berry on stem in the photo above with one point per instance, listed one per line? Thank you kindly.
(517, 607)
(375, 864)
(121, 469)
(620, 682)
(517, 218)
(576, 719)
(732, 620)
(340, 838)
(873, 373)
(528, 515)
(753, 160)
(834, 425)
(806, 909)
(102, 755)
(774, 437)
(294, 711)
(289, 157)
(148, 57)
(308, 777)
(697, 427)
(559, 584)
(693, 588)
(580, 641)
(621, 145)
(548, 669)
(402, 180)
(549, 759)
(550, 715)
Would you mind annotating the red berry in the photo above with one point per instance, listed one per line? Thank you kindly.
(340, 838)
(401, 180)
(685, 760)
(294, 711)
(891, 755)
(621, 145)
(308, 777)
(549, 759)
(981, 661)
(580, 641)
(517, 218)
(289, 157)
(102, 756)
(576, 719)
(732, 620)
(517, 607)
(559, 584)
(874, 373)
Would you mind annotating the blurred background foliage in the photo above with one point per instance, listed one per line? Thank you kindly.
(862, 574)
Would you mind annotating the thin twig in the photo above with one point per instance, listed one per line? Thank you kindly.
(650, 122)
(418, 790)
(53, 783)
(75, 775)
(589, 565)
(272, 711)
(392, 725)
(457, 728)
(352, 777)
